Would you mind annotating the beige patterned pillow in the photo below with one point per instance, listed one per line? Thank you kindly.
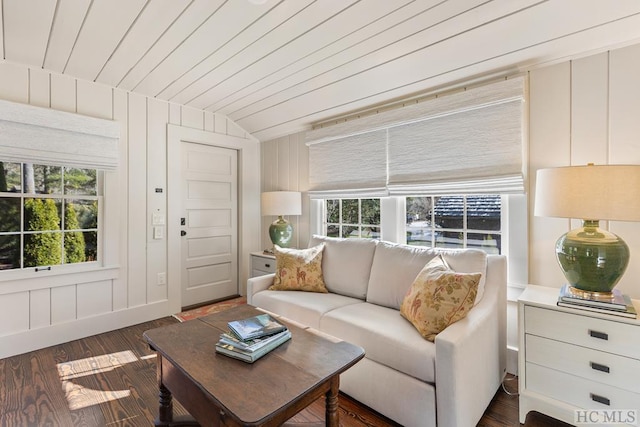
(299, 270)
(439, 297)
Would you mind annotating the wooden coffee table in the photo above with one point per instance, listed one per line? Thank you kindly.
(219, 390)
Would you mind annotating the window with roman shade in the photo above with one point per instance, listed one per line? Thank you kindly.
(468, 142)
(50, 137)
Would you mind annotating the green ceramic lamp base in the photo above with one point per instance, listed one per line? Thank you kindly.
(281, 232)
(592, 260)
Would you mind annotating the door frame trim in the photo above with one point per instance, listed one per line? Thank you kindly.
(248, 202)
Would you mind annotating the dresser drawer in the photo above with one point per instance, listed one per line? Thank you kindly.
(607, 368)
(577, 391)
(261, 265)
(599, 334)
(264, 265)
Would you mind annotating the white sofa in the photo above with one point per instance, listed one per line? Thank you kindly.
(449, 382)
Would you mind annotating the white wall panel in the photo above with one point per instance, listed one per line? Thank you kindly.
(285, 164)
(590, 109)
(39, 308)
(157, 118)
(137, 203)
(192, 118)
(624, 125)
(14, 315)
(1, 34)
(94, 100)
(14, 83)
(63, 304)
(120, 114)
(175, 114)
(39, 91)
(94, 298)
(209, 121)
(220, 125)
(624, 144)
(549, 145)
(63, 93)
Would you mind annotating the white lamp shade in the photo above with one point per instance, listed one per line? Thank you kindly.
(281, 203)
(594, 192)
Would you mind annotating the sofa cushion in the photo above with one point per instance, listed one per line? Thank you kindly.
(386, 337)
(346, 264)
(303, 307)
(439, 297)
(395, 267)
(299, 270)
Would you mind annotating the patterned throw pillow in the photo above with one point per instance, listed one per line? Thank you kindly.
(439, 297)
(299, 270)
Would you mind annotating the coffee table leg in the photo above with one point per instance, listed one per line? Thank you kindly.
(165, 409)
(331, 397)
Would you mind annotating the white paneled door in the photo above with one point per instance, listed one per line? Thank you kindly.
(209, 223)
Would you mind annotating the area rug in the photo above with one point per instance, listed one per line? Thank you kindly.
(211, 308)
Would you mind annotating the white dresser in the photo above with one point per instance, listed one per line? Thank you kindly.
(572, 359)
(262, 264)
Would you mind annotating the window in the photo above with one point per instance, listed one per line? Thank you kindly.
(49, 215)
(352, 218)
(455, 222)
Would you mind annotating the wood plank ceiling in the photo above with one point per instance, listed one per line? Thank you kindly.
(277, 66)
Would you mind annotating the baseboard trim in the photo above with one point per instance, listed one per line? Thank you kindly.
(34, 339)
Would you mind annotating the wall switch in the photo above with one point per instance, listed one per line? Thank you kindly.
(162, 278)
(157, 218)
(158, 233)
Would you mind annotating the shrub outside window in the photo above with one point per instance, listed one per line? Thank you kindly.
(455, 222)
(48, 215)
(352, 218)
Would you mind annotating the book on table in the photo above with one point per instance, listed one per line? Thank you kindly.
(617, 304)
(255, 327)
(616, 301)
(230, 346)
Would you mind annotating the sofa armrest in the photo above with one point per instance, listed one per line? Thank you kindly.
(257, 284)
(470, 358)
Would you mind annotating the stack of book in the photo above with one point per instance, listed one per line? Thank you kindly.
(617, 303)
(250, 339)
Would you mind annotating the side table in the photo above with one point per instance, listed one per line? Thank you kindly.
(576, 363)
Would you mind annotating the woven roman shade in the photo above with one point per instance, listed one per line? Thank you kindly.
(44, 136)
(468, 142)
(353, 166)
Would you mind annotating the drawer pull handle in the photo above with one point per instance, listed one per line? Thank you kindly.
(599, 335)
(599, 367)
(600, 399)
(268, 265)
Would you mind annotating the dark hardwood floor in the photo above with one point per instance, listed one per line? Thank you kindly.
(110, 380)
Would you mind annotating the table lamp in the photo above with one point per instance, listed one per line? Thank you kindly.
(281, 203)
(592, 260)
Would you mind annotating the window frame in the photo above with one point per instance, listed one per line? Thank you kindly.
(514, 221)
(15, 280)
(340, 224)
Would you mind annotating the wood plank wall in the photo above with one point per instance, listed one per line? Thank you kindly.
(44, 315)
(285, 167)
(580, 111)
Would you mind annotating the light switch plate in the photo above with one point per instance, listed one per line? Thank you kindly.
(157, 218)
(158, 233)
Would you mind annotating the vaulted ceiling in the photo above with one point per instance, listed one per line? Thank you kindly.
(276, 66)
